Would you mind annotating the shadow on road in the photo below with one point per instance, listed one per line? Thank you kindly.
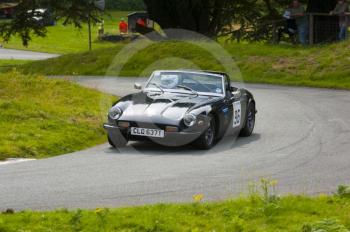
(149, 148)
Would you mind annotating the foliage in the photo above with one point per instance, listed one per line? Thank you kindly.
(243, 19)
(343, 191)
(23, 24)
(321, 6)
(125, 5)
(47, 117)
(255, 20)
(325, 225)
(75, 220)
(294, 213)
(63, 39)
(324, 66)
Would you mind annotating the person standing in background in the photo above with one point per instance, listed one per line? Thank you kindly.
(297, 12)
(342, 10)
(101, 28)
(123, 26)
(290, 26)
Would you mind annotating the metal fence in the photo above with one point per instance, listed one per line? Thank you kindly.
(322, 28)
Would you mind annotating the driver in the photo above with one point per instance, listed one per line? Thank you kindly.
(169, 81)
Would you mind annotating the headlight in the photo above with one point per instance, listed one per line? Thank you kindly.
(115, 112)
(190, 120)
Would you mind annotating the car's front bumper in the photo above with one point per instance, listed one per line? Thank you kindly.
(170, 138)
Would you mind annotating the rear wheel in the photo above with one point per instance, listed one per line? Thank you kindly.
(207, 139)
(249, 122)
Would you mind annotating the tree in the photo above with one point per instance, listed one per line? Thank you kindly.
(323, 6)
(214, 17)
(74, 12)
(244, 19)
(208, 17)
(125, 5)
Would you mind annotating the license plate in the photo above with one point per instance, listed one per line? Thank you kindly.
(147, 132)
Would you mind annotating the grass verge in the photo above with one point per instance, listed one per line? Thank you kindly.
(320, 66)
(10, 64)
(290, 213)
(42, 117)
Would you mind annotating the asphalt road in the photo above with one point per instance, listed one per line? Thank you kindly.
(10, 54)
(301, 139)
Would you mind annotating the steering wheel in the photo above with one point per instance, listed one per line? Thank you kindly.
(202, 85)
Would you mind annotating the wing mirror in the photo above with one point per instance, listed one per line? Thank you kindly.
(137, 86)
(236, 94)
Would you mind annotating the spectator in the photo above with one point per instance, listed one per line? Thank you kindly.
(101, 28)
(342, 9)
(123, 27)
(297, 12)
(289, 28)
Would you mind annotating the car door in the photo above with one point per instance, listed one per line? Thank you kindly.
(235, 103)
(226, 111)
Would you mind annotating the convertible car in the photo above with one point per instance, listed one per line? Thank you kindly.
(179, 107)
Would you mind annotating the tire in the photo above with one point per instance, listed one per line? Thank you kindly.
(110, 141)
(249, 122)
(117, 144)
(207, 139)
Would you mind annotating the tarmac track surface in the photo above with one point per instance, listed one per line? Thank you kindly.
(12, 54)
(301, 139)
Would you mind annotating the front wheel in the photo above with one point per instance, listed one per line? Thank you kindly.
(122, 142)
(249, 122)
(207, 139)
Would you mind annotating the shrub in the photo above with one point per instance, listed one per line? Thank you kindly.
(343, 191)
(325, 225)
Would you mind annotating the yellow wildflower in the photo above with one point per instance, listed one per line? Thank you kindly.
(198, 197)
(98, 210)
(274, 183)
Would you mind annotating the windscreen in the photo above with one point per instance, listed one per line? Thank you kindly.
(198, 82)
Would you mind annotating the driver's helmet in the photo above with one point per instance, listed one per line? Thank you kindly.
(169, 81)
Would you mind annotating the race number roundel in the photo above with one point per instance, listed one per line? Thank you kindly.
(237, 114)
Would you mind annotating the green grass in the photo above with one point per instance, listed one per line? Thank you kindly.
(325, 66)
(289, 213)
(318, 66)
(87, 63)
(42, 117)
(67, 39)
(10, 64)
(6, 63)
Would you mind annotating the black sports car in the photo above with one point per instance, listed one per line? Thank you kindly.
(176, 108)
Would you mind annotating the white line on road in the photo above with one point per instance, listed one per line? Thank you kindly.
(14, 161)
